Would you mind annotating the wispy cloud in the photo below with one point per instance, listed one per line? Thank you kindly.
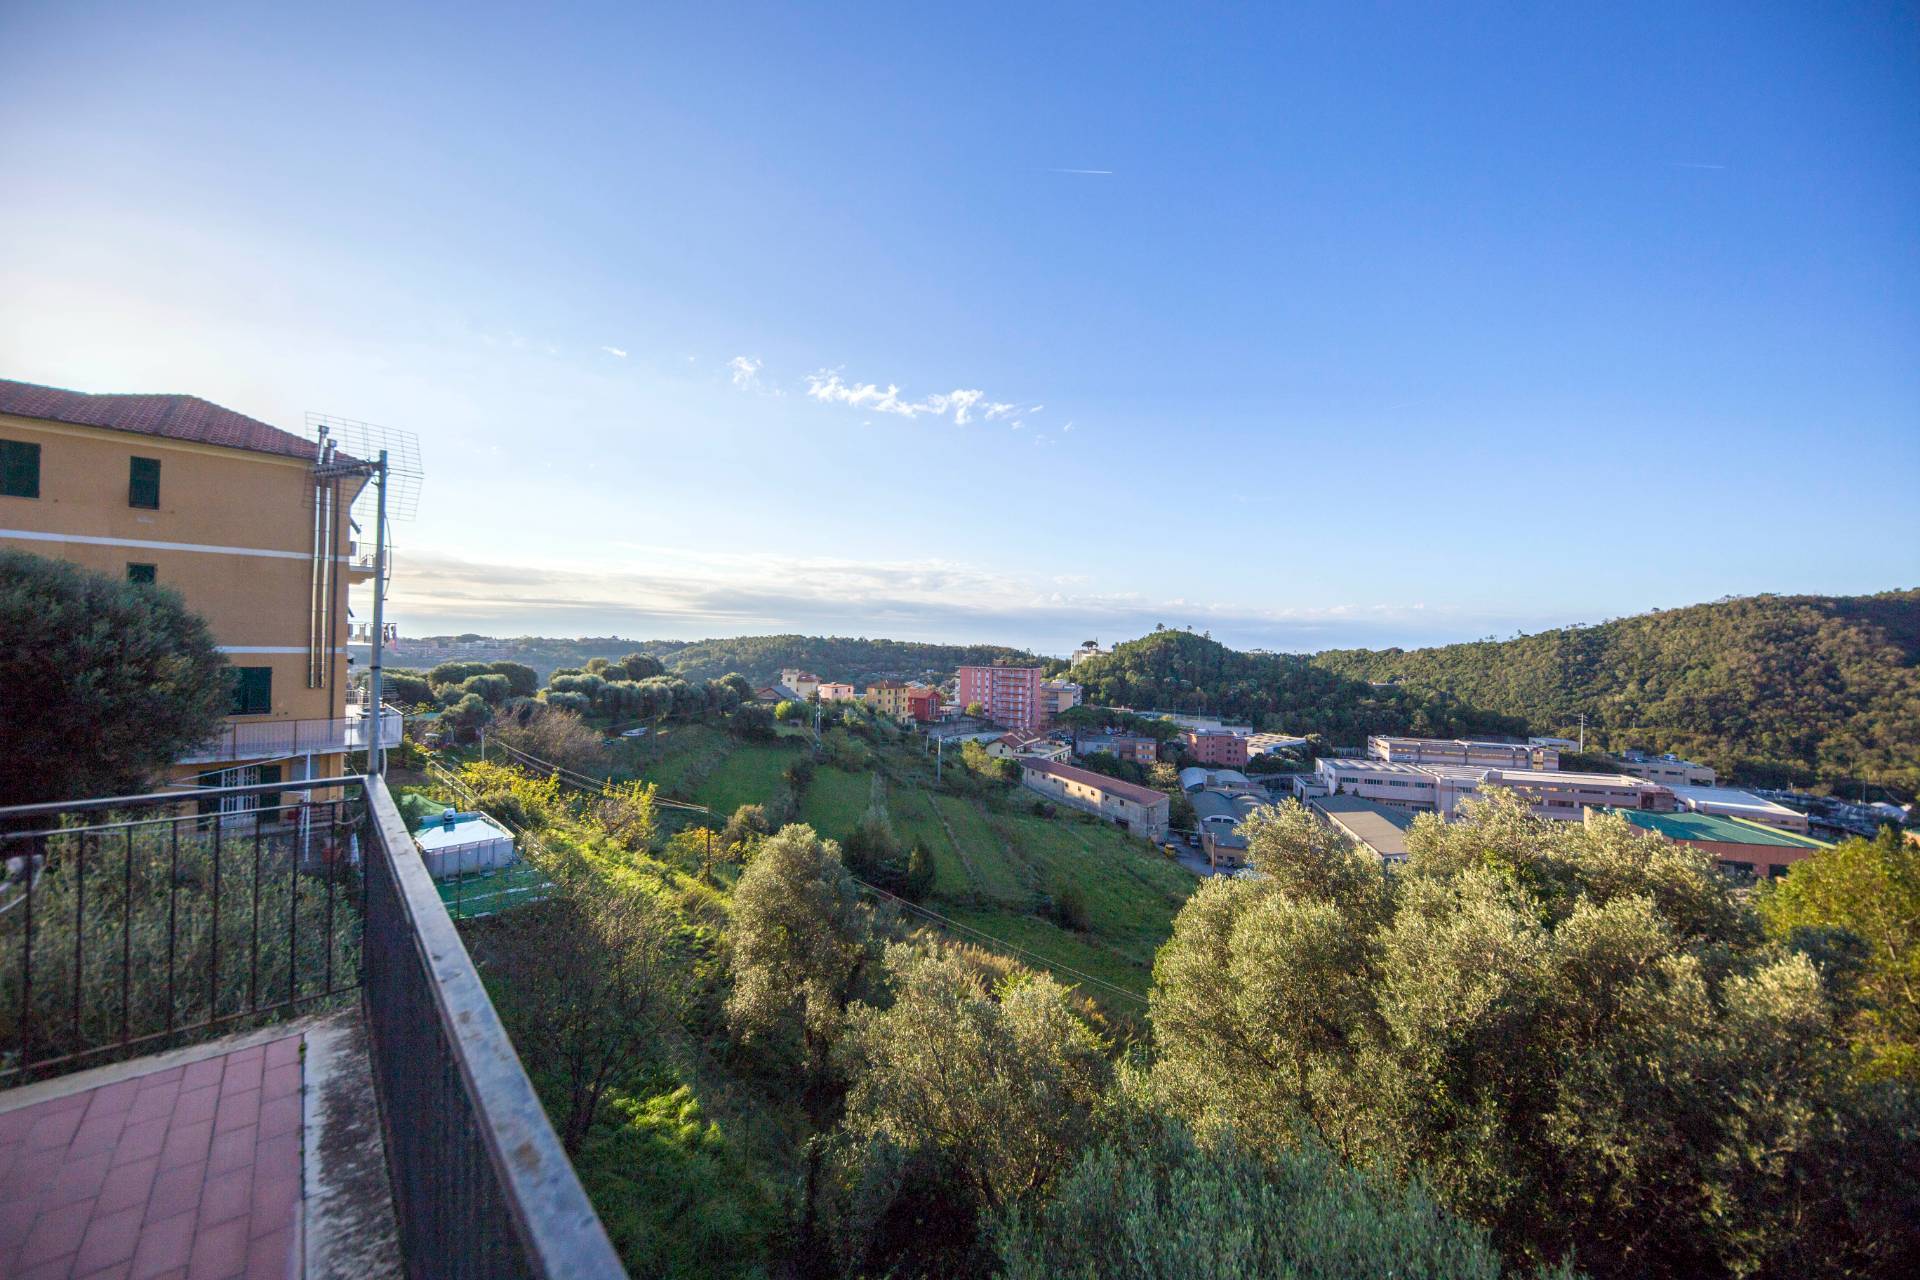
(1090, 173)
(745, 371)
(615, 351)
(965, 405)
(1693, 164)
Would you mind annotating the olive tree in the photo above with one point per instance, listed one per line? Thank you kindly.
(798, 952)
(103, 683)
(1575, 1033)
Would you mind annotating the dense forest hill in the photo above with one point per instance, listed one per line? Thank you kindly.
(1768, 688)
(1171, 670)
(1804, 690)
(759, 658)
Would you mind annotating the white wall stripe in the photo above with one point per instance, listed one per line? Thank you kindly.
(143, 544)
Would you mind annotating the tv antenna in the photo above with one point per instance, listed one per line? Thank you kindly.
(389, 457)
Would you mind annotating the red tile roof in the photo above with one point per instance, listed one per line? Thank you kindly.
(174, 417)
(1086, 777)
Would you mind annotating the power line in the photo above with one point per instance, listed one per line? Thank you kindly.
(586, 783)
(1038, 959)
(1000, 943)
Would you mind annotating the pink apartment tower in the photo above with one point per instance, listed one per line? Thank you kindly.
(1012, 696)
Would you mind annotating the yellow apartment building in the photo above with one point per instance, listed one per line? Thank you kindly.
(245, 521)
(888, 697)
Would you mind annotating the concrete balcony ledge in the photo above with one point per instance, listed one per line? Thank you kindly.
(265, 739)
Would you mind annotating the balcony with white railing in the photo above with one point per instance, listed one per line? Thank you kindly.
(267, 739)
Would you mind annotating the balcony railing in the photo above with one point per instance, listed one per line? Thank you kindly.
(267, 739)
(129, 925)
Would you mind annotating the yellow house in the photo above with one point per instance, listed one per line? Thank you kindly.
(243, 519)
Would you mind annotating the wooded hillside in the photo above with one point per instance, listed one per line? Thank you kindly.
(1768, 689)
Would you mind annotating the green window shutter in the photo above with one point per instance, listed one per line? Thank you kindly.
(143, 483)
(19, 469)
(252, 691)
(140, 573)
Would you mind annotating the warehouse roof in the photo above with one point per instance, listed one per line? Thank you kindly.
(1379, 828)
(1088, 778)
(1712, 828)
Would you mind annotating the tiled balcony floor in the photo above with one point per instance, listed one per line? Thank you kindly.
(191, 1170)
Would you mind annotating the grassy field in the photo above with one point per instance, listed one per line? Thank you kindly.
(678, 758)
(750, 774)
(997, 865)
(836, 801)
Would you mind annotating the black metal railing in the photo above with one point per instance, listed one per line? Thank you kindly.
(481, 1183)
(130, 923)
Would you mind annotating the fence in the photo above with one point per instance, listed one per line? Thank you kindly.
(177, 918)
(129, 923)
(267, 739)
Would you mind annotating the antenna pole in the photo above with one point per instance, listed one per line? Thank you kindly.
(376, 752)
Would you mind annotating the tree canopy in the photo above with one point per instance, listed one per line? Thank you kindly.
(1773, 689)
(1855, 910)
(1575, 1033)
(103, 682)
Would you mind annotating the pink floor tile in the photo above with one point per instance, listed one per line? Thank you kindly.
(191, 1171)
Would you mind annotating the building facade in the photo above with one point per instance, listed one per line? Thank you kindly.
(1059, 695)
(1138, 748)
(248, 523)
(1467, 751)
(1088, 649)
(804, 683)
(1009, 745)
(1013, 697)
(1668, 771)
(832, 692)
(888, 697)
(1440, 788)
(1140, 810)
(1217, 747)
(923, 705)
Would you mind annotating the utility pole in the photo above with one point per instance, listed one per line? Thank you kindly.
(376, 747)
(1583, 733)
(939, 758)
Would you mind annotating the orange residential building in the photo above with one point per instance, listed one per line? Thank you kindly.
(245, 521)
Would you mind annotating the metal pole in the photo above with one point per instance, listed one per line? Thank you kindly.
(376, 752)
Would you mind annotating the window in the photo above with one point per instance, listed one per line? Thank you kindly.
(143, 483)
(19, 469)
(252, 691)
(141, 573)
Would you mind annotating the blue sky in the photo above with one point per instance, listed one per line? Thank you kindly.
(1338, 325)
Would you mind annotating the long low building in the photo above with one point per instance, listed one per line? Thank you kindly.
(1667, 770)
(1375, 828)
(1464, 751)
(1731, 802)
(1439, 788)
(1265, 744)
(1748, 848)
(1135, 808)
